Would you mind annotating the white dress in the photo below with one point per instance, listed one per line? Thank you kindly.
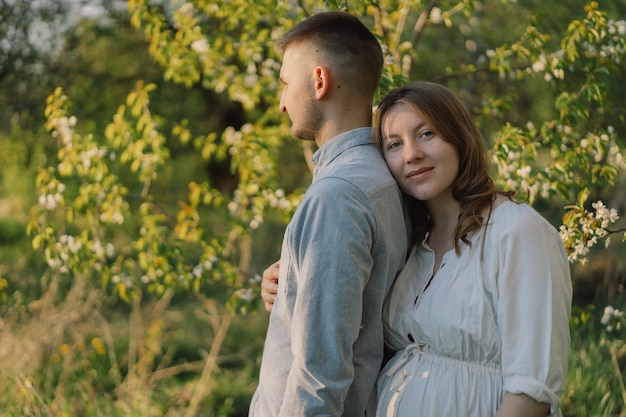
(484, 326)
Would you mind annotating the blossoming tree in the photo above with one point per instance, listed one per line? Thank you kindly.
(103, 184)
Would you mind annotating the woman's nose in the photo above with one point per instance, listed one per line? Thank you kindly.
(412, 151)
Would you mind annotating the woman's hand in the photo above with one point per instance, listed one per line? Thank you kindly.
(269, 285)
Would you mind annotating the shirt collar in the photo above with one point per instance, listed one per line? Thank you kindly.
(339, 144)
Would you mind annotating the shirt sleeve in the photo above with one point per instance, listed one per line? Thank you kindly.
(534, 305)
(334, 236)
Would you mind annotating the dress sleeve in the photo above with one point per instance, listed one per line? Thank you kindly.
(534, 305)
(335, 232)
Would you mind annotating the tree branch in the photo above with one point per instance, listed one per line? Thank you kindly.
(421, 22)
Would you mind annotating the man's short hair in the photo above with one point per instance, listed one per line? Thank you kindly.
(347, 41)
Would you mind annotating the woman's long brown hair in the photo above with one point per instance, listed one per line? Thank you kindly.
(473, 187)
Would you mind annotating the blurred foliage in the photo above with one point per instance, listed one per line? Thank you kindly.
(159, 168)
(568, 155)
(542, 91)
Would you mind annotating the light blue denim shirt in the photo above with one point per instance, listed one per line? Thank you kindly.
(341, 251)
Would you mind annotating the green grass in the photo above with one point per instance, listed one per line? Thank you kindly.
(11, 231)
(80, 353)
(595, 381)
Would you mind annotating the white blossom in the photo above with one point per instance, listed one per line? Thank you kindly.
(435, 15)
(200, 46)
(197, 271)
(612, 318)
(245, 294)
(539, 66)
(186, 9)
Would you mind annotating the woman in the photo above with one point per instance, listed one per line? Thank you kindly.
(479, 317)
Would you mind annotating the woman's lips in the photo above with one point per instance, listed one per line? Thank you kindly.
(416, 173)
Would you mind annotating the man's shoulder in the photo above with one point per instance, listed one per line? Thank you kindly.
(364, 185)
(362, 166)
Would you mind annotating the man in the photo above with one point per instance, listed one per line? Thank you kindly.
(347, 240)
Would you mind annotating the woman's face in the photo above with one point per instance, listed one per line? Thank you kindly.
(423, 164)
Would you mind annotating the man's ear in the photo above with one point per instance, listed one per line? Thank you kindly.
(322, 82)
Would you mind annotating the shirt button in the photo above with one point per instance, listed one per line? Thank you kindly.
(410, 336)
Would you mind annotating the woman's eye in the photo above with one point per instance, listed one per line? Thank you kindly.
(426, 134)
(393, 145)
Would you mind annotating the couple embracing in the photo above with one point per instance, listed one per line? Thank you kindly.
(415, 254)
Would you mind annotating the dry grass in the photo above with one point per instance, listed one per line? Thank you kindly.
(63, 357)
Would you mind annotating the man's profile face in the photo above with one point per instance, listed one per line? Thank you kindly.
(297, 98)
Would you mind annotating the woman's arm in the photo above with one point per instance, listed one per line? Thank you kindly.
(534, 290)
(521, 405)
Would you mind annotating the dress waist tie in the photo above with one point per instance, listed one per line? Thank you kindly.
(411, 350)
(396, 382)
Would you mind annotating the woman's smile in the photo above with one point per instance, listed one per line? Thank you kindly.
(419, 174)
